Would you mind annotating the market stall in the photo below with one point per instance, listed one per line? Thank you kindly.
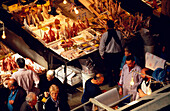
(67, 39)
(8, 64)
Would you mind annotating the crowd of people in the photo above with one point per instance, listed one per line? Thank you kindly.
(23, 86)
(22, 92)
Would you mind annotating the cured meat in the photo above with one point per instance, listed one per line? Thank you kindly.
(39, 15)
(37, 19)
(155, 4)
(58, 35)
(51, 35)
(76, 30)
(67, 43)
(141, 18)
(86, 22)
(71, 32)
(57, 21)
(28, 19)
(113, 11)
(119, 9)
(9, 68)
(96, 3)
(80, 25)
(29, 67)
(3, 68)
(45, 13)
(14, 64)
(46, 39)
(101, 8)
(116, 6)
(147, 21)
(34, 21)
(106, 4)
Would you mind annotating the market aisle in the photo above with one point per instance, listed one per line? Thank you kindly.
(74, 99)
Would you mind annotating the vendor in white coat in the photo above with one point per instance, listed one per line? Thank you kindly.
(129, 79)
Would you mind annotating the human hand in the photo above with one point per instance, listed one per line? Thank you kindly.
(120, 91)
(46, 94)
(141, 93)
(11, 102)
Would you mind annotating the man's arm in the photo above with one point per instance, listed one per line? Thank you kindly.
(141, 93)
(102, 45)
(36, 79)
(121, 82)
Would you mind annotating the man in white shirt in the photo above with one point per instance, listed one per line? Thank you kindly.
(27, 79)
(110, 51)
(129, 79)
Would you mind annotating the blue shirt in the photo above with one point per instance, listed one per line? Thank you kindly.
(11, 97)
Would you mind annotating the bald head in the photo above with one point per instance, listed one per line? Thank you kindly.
(12, 84)
(98, 79)
(31, 99)
(50, 75)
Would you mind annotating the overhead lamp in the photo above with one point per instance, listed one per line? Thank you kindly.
(3, 34)
(53, 11)
(76, 11)
(132, 81)
(65, 2)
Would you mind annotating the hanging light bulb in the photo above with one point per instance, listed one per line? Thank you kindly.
(132, 82)
(76, 11)
(65, 2)
(3, 35)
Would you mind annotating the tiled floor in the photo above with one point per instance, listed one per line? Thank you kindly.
(74, 98)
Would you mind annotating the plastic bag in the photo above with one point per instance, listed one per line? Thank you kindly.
(87, 65)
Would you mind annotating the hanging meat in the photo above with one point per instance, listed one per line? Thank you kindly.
(116, 6)
(119, 9)
(58, 35)
(28, 19)
(3, 68)
(9, 64)
(86, 22)
(51, 35)
(45, 13)
(39, 15)
(46, 39)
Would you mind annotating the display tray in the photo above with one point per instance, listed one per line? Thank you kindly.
(43, 27)
(83, 44)
(8, 65)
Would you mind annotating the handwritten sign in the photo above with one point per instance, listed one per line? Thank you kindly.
(153, 62)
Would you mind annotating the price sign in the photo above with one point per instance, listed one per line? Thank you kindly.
(153, 62)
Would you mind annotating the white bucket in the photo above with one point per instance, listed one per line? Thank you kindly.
(85, 77)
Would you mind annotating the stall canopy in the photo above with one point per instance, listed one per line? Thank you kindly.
(21, 41)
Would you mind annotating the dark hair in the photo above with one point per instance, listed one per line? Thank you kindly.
(14, 83)
(97, 78)
(110, 24)
(21, 62)
(130, 57)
